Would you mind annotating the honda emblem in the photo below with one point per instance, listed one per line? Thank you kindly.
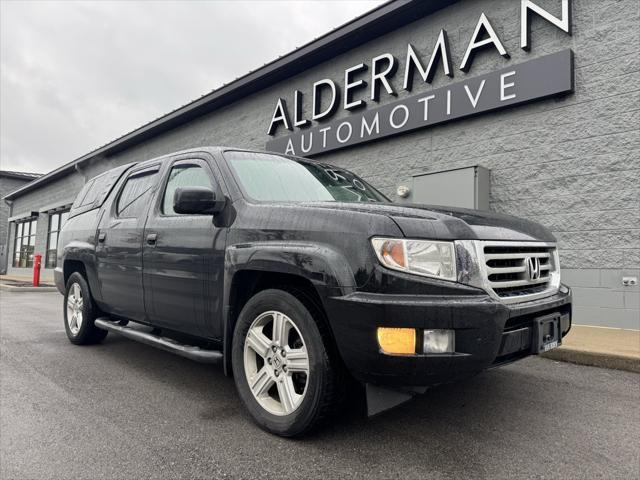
(533, 268)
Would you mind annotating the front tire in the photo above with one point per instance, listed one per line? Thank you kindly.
(284, 371)
(80, 313)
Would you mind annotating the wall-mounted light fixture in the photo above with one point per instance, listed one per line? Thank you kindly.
(403, 191)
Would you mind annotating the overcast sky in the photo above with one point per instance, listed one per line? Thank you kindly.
(76, 75)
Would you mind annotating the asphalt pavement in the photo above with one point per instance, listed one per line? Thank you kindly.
(126, 410)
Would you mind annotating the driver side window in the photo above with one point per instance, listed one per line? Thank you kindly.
(185, 175)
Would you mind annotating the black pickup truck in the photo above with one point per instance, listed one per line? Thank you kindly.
(300, 277)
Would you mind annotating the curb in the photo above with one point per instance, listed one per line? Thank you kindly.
(11, 288)
(595, 359)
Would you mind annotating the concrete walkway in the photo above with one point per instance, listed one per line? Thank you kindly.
(600, 347)
(14, 283)
(23, 278)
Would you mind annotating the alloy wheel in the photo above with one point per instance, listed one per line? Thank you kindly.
(276, 363)
(75, 304)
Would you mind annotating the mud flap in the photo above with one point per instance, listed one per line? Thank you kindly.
(380, 399)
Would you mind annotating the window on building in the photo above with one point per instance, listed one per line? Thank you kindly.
(136, 194)
(56, 221)
(189, 175)
(25, 244)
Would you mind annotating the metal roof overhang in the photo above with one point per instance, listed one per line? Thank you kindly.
(377, 22)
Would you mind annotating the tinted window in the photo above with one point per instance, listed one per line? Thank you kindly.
(84, 196)
(188, 175)
(106, 181)
(94, 193)
(136, 194)
(266, 177)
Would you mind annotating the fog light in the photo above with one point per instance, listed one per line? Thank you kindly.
(439, 341)
(397, 340)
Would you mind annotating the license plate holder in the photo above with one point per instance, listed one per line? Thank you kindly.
(546, 333)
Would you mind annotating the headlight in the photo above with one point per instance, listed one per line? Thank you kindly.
(421, 257)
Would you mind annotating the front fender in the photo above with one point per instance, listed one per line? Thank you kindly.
(327, 269)
(321, 264)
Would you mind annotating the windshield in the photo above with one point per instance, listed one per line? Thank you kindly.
(272, 178)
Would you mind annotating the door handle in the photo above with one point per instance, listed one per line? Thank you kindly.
(152, 238)
(101, 237)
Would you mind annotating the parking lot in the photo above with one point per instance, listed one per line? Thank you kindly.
(126, 410)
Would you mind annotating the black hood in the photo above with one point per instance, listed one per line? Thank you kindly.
(450, 223)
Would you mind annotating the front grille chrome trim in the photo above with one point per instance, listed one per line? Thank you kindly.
(506, 283)
(510, 256)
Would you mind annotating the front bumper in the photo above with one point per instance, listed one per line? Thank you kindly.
(487, 333)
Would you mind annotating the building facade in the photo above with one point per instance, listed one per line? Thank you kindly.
(542, 95)
(9, 181)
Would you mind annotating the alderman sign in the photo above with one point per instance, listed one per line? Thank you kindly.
(314, 132)
(531, 80)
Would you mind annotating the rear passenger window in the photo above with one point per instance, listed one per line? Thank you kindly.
(96, 190)
(92, 193)
(83, 197)
(136, 194)
(106, 181)
(188, 175)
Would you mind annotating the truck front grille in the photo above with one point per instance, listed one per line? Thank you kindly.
(519, 271)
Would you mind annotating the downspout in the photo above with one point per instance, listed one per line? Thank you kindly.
(77, 169)
(3, 268)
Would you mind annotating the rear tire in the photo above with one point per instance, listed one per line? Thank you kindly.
(290, 381)
(80, 312)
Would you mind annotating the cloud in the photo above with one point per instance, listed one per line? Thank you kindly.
(76, 75)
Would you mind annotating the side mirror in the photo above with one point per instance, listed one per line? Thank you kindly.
(197, 200)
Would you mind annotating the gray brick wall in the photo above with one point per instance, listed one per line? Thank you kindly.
(571, 163)
(55, 194)
(7, 185)
(600, 298)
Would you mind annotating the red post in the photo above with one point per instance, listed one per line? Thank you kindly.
(37, 261)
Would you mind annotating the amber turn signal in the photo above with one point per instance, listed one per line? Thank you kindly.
(397, 340)
(393, 252)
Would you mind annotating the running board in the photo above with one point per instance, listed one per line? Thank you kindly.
(168, 344)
